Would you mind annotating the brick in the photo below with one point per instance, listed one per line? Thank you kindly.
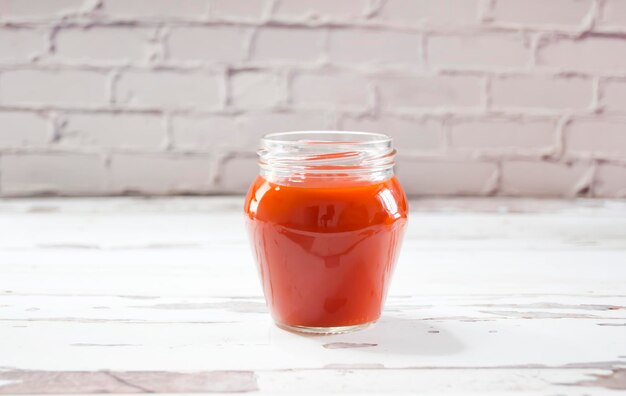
(504, 136)
(109, 45)
(540, 92)
(156, 9)
(501, 50)
(210, 44)
(237, 174)
(276, 44)
(257, 90)
(430, 12)
(244, 9)
(21, 129)
(37, 9)
(409, 135)
(543, 179)
(610, 181)
(330, 90)
(48, 87)
(589, 54)
(168, 89)
(20, 45)
(205, 133)
(568, 13)
(373, 46)
(429, 91)
(615, 96)
(113, 131)
(256, 125)
(596, 138)
(159, 173)
(320, 9)
(241, 133)
(446, 178)
(69, 174)
(614, 14)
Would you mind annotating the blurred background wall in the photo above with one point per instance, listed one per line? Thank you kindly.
(483, 97)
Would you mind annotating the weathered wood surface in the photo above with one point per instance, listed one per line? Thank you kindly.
(161, 295)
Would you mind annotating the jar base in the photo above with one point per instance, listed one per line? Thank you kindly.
(309, 330)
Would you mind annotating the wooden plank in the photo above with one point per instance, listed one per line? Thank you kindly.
(512, 381)
(230, 271)
(89, 247)
(73, 224)
(508, 381)
(92, 333)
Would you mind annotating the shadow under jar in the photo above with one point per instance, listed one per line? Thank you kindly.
(326, 217)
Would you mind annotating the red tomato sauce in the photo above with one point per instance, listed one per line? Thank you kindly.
(325, 250)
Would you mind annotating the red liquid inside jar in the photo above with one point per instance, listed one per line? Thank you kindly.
(325, 248)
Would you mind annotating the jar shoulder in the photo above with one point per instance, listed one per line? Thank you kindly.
(338, 205)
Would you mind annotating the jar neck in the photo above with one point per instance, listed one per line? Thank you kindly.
(326, 155)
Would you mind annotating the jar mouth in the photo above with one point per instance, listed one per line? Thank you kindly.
(325, 137)
(309, 154)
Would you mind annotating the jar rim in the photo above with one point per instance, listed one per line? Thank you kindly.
(326, 137)
(301, 155)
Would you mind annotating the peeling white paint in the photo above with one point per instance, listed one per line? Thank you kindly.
(496, 296)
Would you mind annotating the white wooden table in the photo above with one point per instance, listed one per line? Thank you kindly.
(161, 295)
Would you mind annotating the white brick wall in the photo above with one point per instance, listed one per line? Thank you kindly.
(251, 90)
(20, 45)
(482, 97)
(564, 179)
(431, 13)
(330, 90)
(373, 47)
(478, 51)
(497, 136)
(112, 131)
(547, 93)
(557, 13)
(320, 9)
(158, 173)
(24, 130)
(419, 93)
(614, 14)
(103, 45)
(35, 88)
(198, 43)
(284, 45)
(66, 172)
(165, 89)
(600, 55)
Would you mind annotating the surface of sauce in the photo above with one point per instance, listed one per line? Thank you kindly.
(325, 250)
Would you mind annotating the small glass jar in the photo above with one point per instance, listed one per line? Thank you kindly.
(326, 217)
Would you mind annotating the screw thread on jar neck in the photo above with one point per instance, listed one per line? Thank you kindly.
(298, 156)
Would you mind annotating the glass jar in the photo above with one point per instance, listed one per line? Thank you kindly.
(326, 217)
